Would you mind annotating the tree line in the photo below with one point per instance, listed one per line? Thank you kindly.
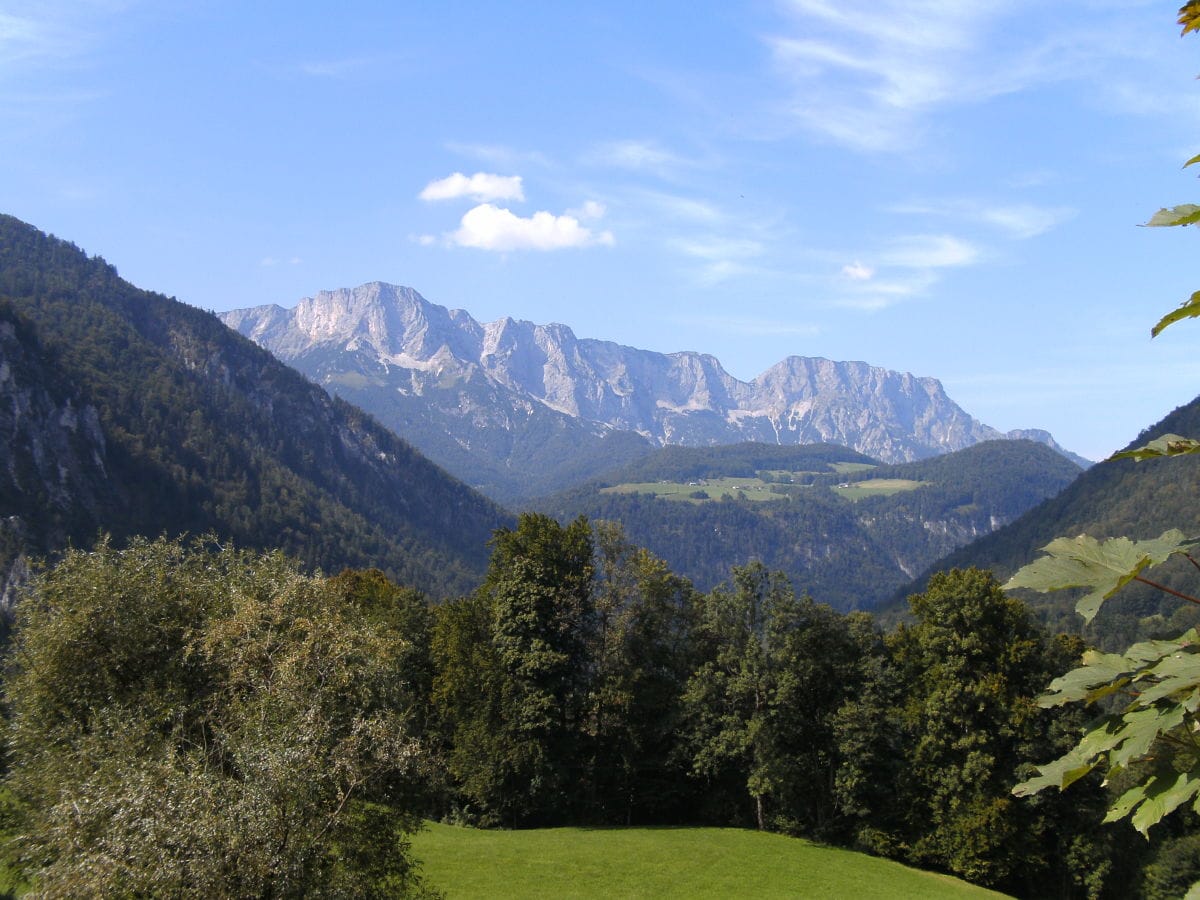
(185, 718)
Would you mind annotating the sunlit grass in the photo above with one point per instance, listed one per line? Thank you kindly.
(662, 862)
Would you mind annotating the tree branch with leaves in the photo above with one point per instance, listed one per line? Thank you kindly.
(1151, 736)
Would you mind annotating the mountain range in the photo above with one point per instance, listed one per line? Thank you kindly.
(519, 410)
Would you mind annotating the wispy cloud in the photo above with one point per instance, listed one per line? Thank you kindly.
(1015, 220)
(907, 266)
(929, 251)
(488, 227)
(641, 156)
(499, 155)
(481, 187)
(721, 258)
(678, 207)
(876, 293)
(866, 73)
(48, 36)
(1024, 220)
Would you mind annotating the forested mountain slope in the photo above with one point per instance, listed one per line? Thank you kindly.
(127, 411)
(1113, 498)
(848, 531)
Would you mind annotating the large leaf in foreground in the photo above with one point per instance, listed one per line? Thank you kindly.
(1189, 16)
(1184, 214)
(1163, 680)
(1188, 310)
(1103, 567)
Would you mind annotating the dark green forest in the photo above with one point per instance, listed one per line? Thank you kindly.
(852, 555)
(197, 429)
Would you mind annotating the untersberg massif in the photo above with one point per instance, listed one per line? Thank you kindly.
(520, 410)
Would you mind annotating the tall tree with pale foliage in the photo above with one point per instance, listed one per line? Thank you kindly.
(192, 721)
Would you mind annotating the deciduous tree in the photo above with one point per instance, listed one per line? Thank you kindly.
(195, 722)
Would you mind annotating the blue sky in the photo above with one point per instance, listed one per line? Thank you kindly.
(946, 187)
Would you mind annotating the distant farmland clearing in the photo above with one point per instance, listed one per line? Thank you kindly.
(876, 487)
(710, 488)
(752, 488)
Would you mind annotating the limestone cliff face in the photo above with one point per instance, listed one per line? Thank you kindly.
(378, 342)
(53, 457)
(53, 446)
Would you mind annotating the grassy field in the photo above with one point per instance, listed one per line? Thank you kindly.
(876, 487)
(847, 468)
(662, 862)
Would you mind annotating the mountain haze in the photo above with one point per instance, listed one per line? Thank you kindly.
(127, 411)
(478, 397)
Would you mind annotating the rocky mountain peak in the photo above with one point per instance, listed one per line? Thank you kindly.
(509, 374)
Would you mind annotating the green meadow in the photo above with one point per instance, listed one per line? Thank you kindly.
(662, 862)
(876, 487)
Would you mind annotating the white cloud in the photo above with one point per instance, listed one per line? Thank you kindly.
(857, 271)
(929, 251)
(487, 227)
(481, 187)
(271, 261)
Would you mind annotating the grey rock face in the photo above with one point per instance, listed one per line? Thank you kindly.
(379, 342)
(55, 447)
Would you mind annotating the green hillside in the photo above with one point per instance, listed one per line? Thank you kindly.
(1122, 497)
(140, 414)
(846, 530)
